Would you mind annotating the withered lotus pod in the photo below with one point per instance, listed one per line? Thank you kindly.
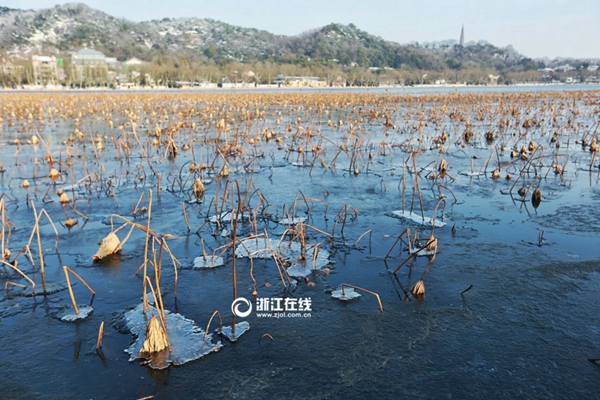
(71, 222)
(418, 289)
(199, 188)
(432, 243)
(443, 166)
(54, 174)
(64, 198)
(109, 245)
(536, 198)
(225, 171)
(156, 339)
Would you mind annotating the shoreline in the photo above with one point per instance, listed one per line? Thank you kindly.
(37, 88)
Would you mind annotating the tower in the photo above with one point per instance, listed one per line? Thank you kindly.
(462, 36)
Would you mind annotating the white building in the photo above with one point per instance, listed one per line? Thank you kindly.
(89, 66)
(45, 70)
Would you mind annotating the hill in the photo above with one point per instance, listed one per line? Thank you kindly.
(185, 43)
(67, 28)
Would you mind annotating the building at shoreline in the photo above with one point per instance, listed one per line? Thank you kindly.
(462, 36)
(88, 66)
(11, 74)
(299, 81)
(45, 70)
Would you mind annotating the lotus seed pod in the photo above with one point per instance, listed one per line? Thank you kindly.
(156, 338)
(109, 245)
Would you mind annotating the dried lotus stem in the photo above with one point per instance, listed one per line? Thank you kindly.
(364, 290)
(210, 320)
(369, 232)
(100, 335)
(185, 216)
(28, 279)
(70, 291)
(412, 255)
(407, 232)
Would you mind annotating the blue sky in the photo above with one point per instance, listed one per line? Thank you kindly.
(535, 28)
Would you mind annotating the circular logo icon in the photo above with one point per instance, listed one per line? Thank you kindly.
(235, 307)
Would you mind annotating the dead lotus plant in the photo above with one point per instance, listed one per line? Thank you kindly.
(111, 244)
(156, 338)
(199, 189)
(418, 289)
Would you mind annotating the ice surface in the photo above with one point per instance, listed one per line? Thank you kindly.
(418, 218)
(70, 315)
(301, 268)
(424, 252)
(249, 246)
(469, 173)
(209, 262)
(292, 221)
(291, 254)
(225, 216)
(187, 339)
(348, 294)
(51, 288)
(240, 329)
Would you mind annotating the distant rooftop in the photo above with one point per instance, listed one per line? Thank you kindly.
(88, 53)
(41, 58)
(133, 61)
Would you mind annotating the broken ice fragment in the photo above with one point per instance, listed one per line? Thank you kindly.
(418, 218)
(208, 262)
(70, 315)
(187, 340)
(292, 221)
(240, 329)
(345, 294)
